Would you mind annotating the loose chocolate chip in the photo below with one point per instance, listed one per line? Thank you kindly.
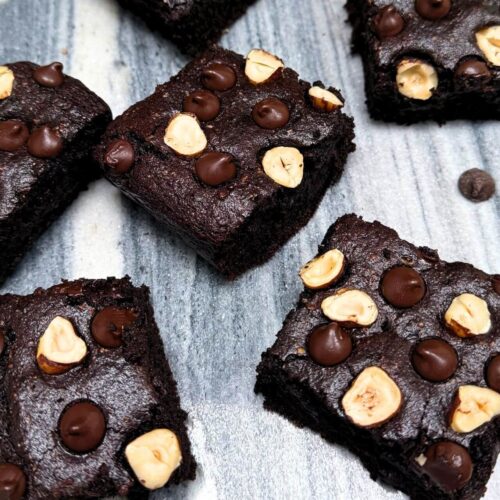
(402, 287)
(388, 22)
(108, 325)
(271, 113)
(12, 482)
(50, 75)
(2, 342)
(218, 76)
(329, 344)
(496, 283)
(476, 185)
(448, 464)
(45, 142)
(82, 427)
(202, 103)
(493, 373)
(434, 359)
(120, 156)
(433, 9)
(13, 134)
(472, 68)
(215, 168)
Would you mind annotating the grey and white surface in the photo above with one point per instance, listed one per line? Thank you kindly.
(215, 331)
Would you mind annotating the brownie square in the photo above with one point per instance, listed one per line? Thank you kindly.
(428, 60)
(82, 375)
(49, 123)
(394, 354)
(234, 167)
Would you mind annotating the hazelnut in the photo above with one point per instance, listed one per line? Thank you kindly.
(468, 315)
(488, 40)
(185, 136)
(324, 270)
(416, 79)
(284, 165)
(6, 82)
(473, 406)
(153, 457)
(351, 308)
(324, 100)
(60, 348)
(373, 398)
(261, 66)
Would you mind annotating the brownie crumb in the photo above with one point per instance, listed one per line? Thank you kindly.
(476, 185)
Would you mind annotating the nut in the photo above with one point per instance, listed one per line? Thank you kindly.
(60, 348)
(261, 66)
(184, 135)
(324, 270)
(373, 398)
(468, 315)
(6, 82)
(473, 406)
(351, 308)
(284, 165)
(488, 40)
(324, 100)
(153, 457)
(416, 79)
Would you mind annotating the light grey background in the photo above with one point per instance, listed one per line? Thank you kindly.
(215, 331)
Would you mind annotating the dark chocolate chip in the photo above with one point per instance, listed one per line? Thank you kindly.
(493, 373)
(388, 22)
(2, 342)
(50, 75)
(218, 76)
(271, 113)
(108, 325)
(472, 68)
(476, 185)
(120, 156)
(329, 344)
(204, 104)
(434, 359)
(402, 287)
(45, 142)
(82, 427)
(495, 280)
(12, 482)
(13, 134)
(448, 464)
(214, 168)
(433, 9)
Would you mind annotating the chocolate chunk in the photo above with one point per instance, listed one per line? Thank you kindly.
(329, 344)
(218, 76)
(50, 75)
(108, 325)
(13, 134)
(12, 482)
(496, 283)
(215, 168)
(433, 9)
(271, 113)
(202, 103)
(493, 373)
(434, 359)
(45, 142)
(120, 156)
(472, 68)
(388, 22)
(476, 185)
(402, 287)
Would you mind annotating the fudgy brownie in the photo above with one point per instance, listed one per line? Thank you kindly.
(394, 354)
(88, 404)
(234, 155)
(429, 59)
(49, 123)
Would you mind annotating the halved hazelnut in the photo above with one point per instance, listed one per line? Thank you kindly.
(324, 100)
(373, 398)
(473, 406)
(153, 457)
(416, 79)
(488, 40)
(350, 308)
(468, 315)
(6, 82)
(284, 165)
(261, 66)
(323, 271)
(185, 136)
(60, 348)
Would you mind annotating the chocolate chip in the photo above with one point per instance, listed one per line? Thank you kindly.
(12, 482)
(472, 68)
(120, 156)
(13, 134)
(496, 283)
(476, 185)
(271, 113)
(329, 344)
(218, 76)
(493, 373)
(50, 75)
(45, 142)
(202, 103)
(433, 9)
(448, 464)
(402, 287)
(388, 22)
(215, 168)
(108, 325)
(2, 342)
(434, 359)
(82, 427)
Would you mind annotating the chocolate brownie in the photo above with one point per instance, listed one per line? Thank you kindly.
(48, 124)
(429, 59)
(88, 404)
(394, 354)
(233, 155)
